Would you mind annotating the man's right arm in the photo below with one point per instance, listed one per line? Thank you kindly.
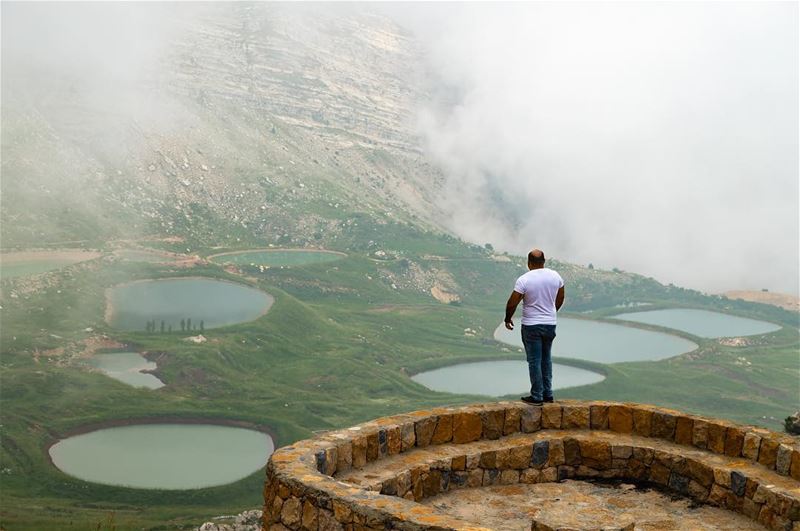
(560, 298)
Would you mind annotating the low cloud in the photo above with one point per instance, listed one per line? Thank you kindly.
(661, 138)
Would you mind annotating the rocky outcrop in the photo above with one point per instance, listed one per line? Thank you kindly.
(246, 521)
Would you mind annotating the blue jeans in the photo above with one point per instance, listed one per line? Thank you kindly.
(538, 341)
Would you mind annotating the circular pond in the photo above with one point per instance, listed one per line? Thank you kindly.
(277, 257)
(184, 304)
(605, 342)
(701, 323)
(163, 456)
(127, 367)
(20, 264)
(499, 378)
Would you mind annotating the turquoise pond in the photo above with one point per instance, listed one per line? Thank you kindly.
(277, 257)
(605, 342)
(163, 456)
(127, 367)
(499, 378)
(212, 303)
(701, 323)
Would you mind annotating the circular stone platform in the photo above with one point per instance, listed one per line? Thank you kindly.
(610, 466)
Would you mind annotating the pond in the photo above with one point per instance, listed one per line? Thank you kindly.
(277, 257)
(197, 303)
(605, 342)
(19, 264)
(163, 456)
(127, 367)
(499, 378)
(701, 323)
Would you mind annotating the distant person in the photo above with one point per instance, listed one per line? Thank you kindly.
(542, 291)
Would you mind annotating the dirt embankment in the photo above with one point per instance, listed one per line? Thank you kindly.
(782, 300)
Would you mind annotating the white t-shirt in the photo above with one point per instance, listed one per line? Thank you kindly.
(539, 288)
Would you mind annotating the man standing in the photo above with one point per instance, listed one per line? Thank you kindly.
(542, 291)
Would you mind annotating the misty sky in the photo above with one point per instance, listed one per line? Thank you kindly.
(661, 138)
(657, 137)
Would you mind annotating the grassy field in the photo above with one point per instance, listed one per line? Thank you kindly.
(335, 349)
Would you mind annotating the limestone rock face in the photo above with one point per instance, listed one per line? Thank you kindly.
(246, 521)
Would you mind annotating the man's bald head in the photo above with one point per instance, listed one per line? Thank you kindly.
(536, 258)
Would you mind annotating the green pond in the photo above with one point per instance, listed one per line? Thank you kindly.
(207, 303)
(499, 378)
(163, 456)
(605, 342)
(277, 257)
(701, 323)
(127, 367)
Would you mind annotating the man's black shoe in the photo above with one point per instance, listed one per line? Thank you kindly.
(548, 400)
(532, 401)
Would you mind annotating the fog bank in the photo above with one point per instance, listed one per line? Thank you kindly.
(660, 138)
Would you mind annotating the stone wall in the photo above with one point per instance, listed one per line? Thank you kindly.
(311, 484)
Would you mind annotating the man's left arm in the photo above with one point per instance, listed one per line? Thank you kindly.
(511, 307)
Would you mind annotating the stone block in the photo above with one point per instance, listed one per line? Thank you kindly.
(444, 430)
(684, 427)
(768, 453)
(373, 447)
(423, 431)
(529, 476)
(551, 416)
(458, 463)
(408, 437)
(531, 419)
(541, 451)
(572, 452)
(331, 458)
(511, 422)
(509, 477)
(383, 443)
(596, 454)
(620, 419)
(575, 417)
(492, 421)
(794, 467)
(488, 459)
(292, 513)
(717, 496)
(491, 477)
(783, 460)
(621, 452)
(664, 425)
(642, 421)
(722, 477)
(716, 437)
(700, 433)
(645, 455)
(738, 482)
(659, 474)
(548, 475)
(467, 427)
(458, 479)
(700, 472)
(310, 519)
(565, 472)
(519, 457)
(636, 469)
(750, 509)
(404, 483)
(750, 445)
(697, 491)
(556, 453)
(598, 417)
(389, 487)
(394, 440)
(734, 441)
(475, 478)
(431, 483)
(679, 483)
(344, 457)
(327, 521)
(359, 451)
(750, 488)
(473, 461)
